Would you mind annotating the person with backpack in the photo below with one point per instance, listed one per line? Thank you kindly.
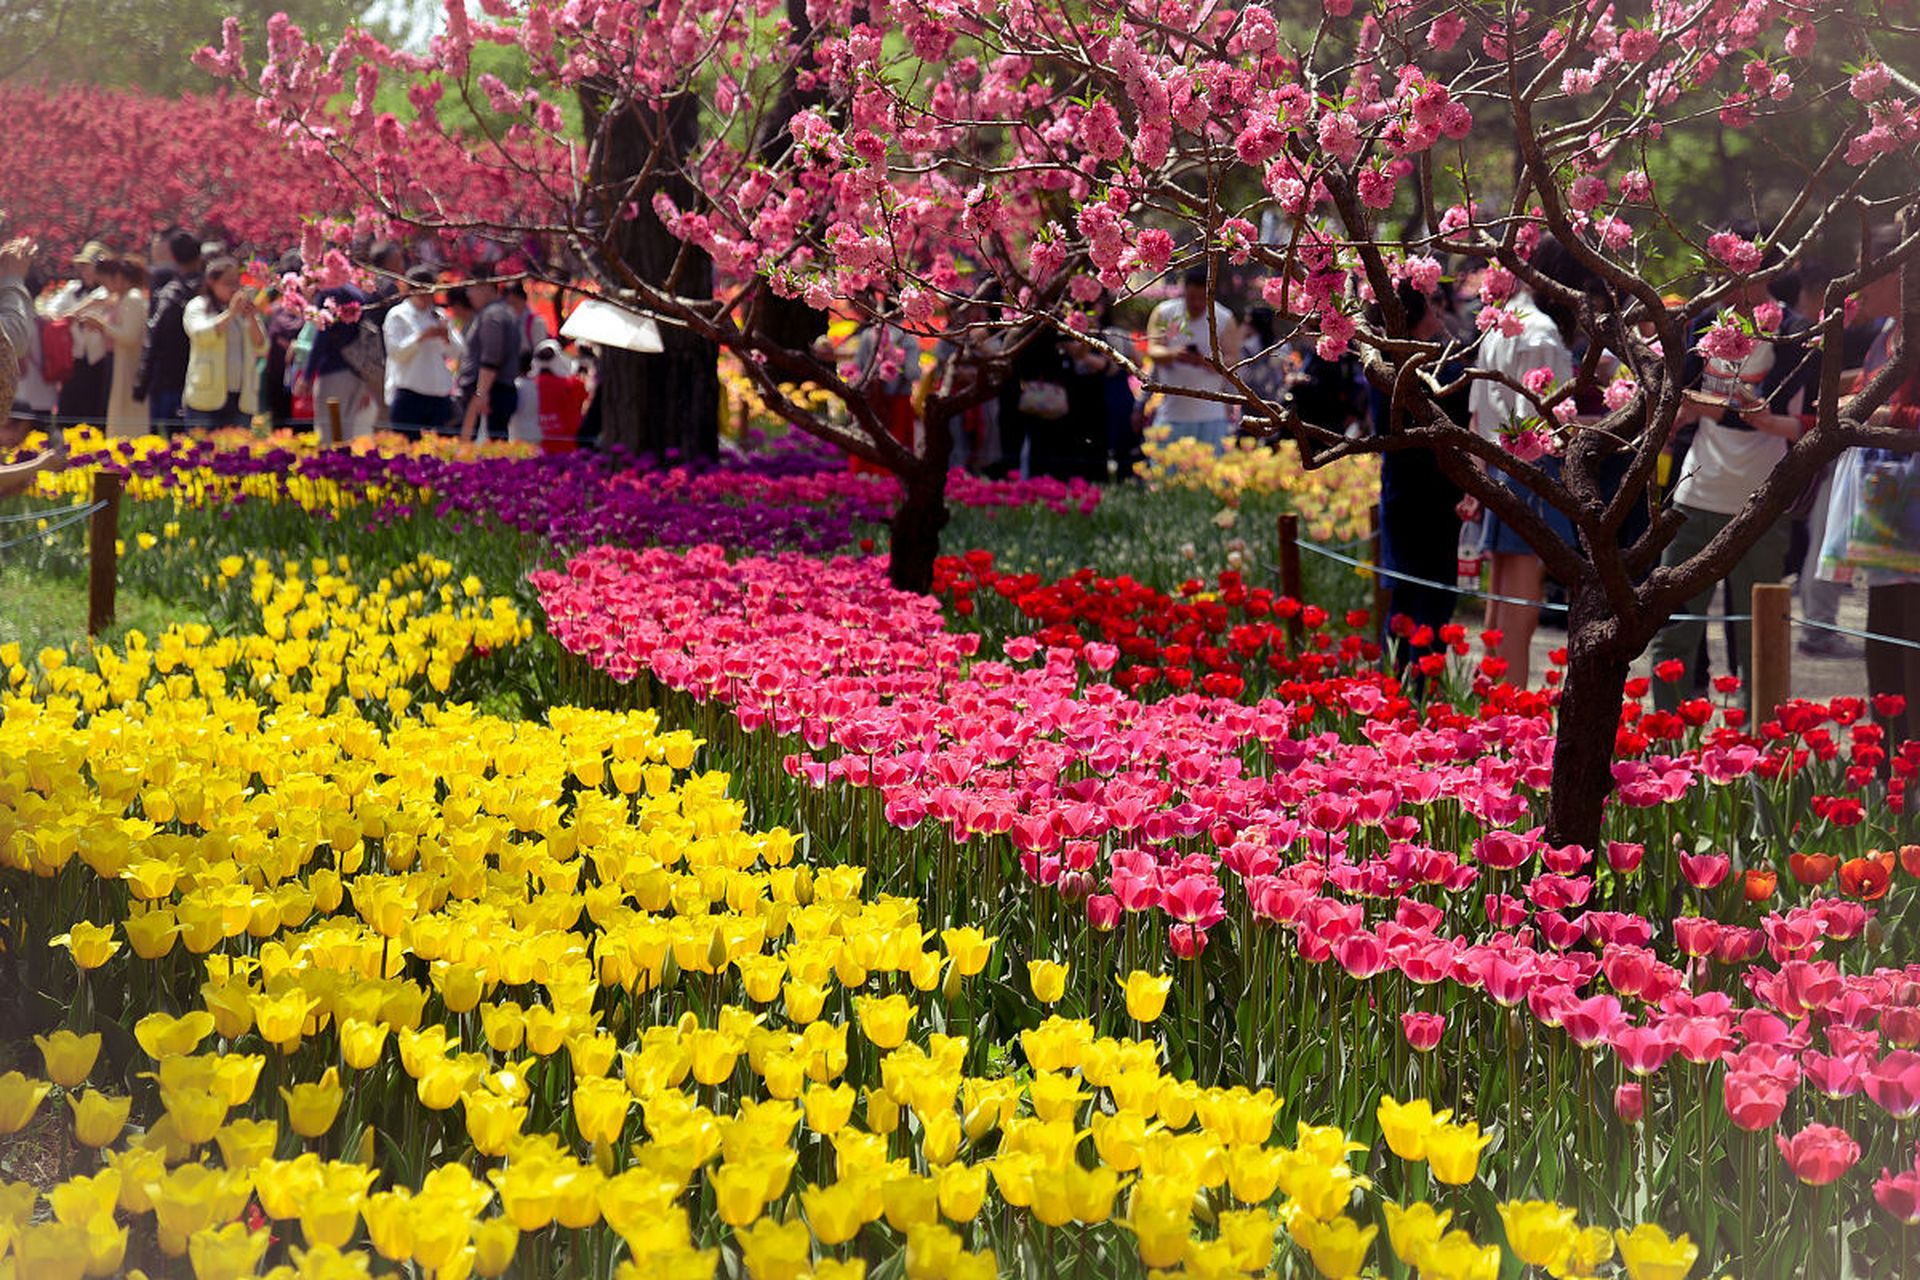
(163, 364)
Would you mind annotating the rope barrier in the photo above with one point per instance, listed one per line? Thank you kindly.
(1543, 606)
(20, 517)
(1839, 630)
(76, 515)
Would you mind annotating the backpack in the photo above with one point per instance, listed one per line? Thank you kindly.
(56, 350)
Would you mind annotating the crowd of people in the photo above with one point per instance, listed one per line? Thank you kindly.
(184, 337)
(1069, 407)
(187, 336)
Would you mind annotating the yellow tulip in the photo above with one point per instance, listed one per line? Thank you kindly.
(963, 1189)
(165, 1036)
(151, 933)
(361, 1043)
(196, 1113)
(281, 1020)
(330, 1210)
(1146, 995)
(1414, 1229)
(504, 1026)
(884, 1019)
(1453, 1152)
(1650, 1254)
(311, 1108)
(492, 1122)
(835, 1213)
(227, 1253)
(1048, 979)
(1407, 1126)
(78, 1199)
(969, 949)
(98, 1119)
(245, 1143)
(600, 1109)
(460, 986)
(804, 1000)
(494, 1243)
(389, 1219)
(1338, 1248)
(1541, 1233)
(52, 1251)
(776, 1251)
(91, 945)
(1455, 1256)
(69, 1058)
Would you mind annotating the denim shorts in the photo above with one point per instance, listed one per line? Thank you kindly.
(1504, 539)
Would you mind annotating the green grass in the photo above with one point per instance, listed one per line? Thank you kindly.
(40, 611)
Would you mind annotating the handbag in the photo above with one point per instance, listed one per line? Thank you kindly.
(366, 354)
(1042, 399)
(1873, 518)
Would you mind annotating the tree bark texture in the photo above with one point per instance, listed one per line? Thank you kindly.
(665, 405)
(922, 513)
(1600, 653)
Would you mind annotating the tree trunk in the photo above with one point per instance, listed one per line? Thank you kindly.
(922, 513)
(1599, 657)
(666, 405)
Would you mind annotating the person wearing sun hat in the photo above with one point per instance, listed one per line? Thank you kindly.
(86, 390)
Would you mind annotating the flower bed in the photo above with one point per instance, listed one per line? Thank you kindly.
(1381, 862)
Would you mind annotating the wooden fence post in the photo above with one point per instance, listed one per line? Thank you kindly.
(1772, 656)
(103, 537)
(1290, 584)
(332, 436)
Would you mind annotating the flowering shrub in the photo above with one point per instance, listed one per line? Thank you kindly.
(1374, 859)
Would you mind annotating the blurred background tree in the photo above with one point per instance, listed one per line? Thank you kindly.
(141, 44)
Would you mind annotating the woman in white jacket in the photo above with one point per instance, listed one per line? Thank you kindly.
(225, 341)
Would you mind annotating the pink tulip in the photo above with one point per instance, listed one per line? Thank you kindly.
(1423, 1030)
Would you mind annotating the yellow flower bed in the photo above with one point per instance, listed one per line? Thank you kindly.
(460, 992)
(1336, 502)
(520, 990)
(320, 634)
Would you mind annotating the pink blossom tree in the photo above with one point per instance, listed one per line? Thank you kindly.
(891, 157)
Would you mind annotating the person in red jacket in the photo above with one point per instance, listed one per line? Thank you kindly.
(563, 398)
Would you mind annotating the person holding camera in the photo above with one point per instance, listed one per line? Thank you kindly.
(225, 340)
(1186, 339)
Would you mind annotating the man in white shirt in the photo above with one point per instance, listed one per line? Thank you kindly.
(1186, 337)
(421, 346)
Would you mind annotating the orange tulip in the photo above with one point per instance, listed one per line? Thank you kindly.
(1812, 869)
(1760, 884)
(1864, 878)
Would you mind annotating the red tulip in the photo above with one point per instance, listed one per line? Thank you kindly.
(1812, 869)
(1630, 1103)
(1819, 1153)
(1899, 1194)
(1423, 1030)
(1754, 1099)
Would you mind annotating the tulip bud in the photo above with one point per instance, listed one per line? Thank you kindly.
(1075, 887)
(1630, 1103)
(954, 984)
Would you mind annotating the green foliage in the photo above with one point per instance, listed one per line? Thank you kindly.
(143, 44)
